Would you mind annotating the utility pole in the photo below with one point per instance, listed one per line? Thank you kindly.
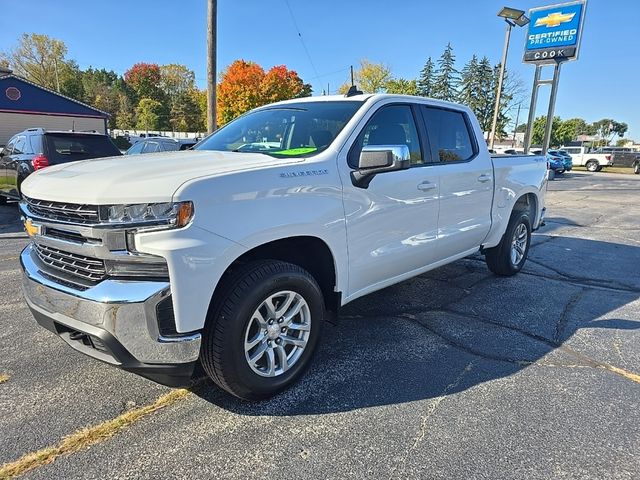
(211, 64)
(55, 66)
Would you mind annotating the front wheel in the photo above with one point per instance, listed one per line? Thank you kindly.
(592, 165)
(263, 329)
(636, 169)
(510, 255)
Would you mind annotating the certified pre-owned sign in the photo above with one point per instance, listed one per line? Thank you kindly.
(554, 33)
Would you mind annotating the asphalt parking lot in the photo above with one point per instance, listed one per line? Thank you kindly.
(454, 374)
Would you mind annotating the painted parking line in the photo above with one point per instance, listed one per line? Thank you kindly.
(88, 436)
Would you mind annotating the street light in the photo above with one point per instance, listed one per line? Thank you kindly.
(512, 17)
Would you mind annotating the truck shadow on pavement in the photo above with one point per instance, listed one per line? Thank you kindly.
(459, 326)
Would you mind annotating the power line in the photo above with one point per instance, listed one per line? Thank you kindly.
(330, 73)
(304, 46)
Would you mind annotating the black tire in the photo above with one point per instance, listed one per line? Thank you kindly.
(242, 292)
(499, 258)
(636, 169)
(599, 168)
(592, 165)
(3, 200)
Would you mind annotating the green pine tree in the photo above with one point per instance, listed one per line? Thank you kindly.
(486, 94)
(447, 77)
(426, 80)
(469, 85)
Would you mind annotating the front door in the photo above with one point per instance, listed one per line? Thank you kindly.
(391, 224)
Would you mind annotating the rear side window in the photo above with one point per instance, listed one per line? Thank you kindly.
(62, 148)
(169, 146)
(449, 134)
(36, 143)
(151, 147)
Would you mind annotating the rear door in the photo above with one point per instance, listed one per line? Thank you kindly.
(465, 174)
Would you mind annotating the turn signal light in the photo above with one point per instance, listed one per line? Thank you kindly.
(39, 161)
(185, 213)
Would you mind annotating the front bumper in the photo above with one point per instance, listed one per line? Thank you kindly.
(114, 321)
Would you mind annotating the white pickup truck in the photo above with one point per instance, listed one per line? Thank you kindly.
(235, 253)
(593, 162)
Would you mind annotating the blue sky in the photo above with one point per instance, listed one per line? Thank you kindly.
(116, 34)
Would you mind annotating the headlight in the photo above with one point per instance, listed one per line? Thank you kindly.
(175, 214)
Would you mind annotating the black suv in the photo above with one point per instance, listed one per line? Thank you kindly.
(38, 148)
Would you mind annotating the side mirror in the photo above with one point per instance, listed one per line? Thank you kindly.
(376, 159)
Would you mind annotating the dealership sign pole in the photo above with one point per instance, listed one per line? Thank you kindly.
(554, 37)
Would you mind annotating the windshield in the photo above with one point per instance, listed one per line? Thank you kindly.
(295, 130)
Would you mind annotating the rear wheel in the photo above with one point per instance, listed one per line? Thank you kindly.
(263, 329)
(3, 200)
(636, 169)
(592, 165)
(510, 255)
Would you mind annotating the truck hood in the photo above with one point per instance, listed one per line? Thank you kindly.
(152, 177)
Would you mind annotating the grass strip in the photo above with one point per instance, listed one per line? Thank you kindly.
(87, 436)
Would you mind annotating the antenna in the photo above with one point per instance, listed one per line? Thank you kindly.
(353, 90)
(352, 83)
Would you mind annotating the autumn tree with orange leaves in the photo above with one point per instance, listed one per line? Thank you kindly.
(245, 85)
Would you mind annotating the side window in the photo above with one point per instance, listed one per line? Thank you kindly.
(394, 125)
(151, 147)
(35, 141)
(169, 146)
(19, 146)
(8, 150)
(136, 148)
(449, 134)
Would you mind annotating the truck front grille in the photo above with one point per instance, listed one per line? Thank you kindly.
(70, 267)
(65, 212)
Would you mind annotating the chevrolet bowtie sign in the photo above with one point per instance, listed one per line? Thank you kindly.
(554, 33)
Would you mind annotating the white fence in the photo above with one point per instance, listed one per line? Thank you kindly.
(137, 134)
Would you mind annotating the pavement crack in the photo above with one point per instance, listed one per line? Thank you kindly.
(582, 281)
(427, 414)
(587, 361)
(561, 325)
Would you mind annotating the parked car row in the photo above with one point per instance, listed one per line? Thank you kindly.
(37, 148)
(160, 144)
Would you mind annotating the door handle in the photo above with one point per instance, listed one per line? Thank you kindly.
(485, 177)
(424, 186)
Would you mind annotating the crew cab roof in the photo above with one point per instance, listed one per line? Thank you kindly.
(370, 96)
